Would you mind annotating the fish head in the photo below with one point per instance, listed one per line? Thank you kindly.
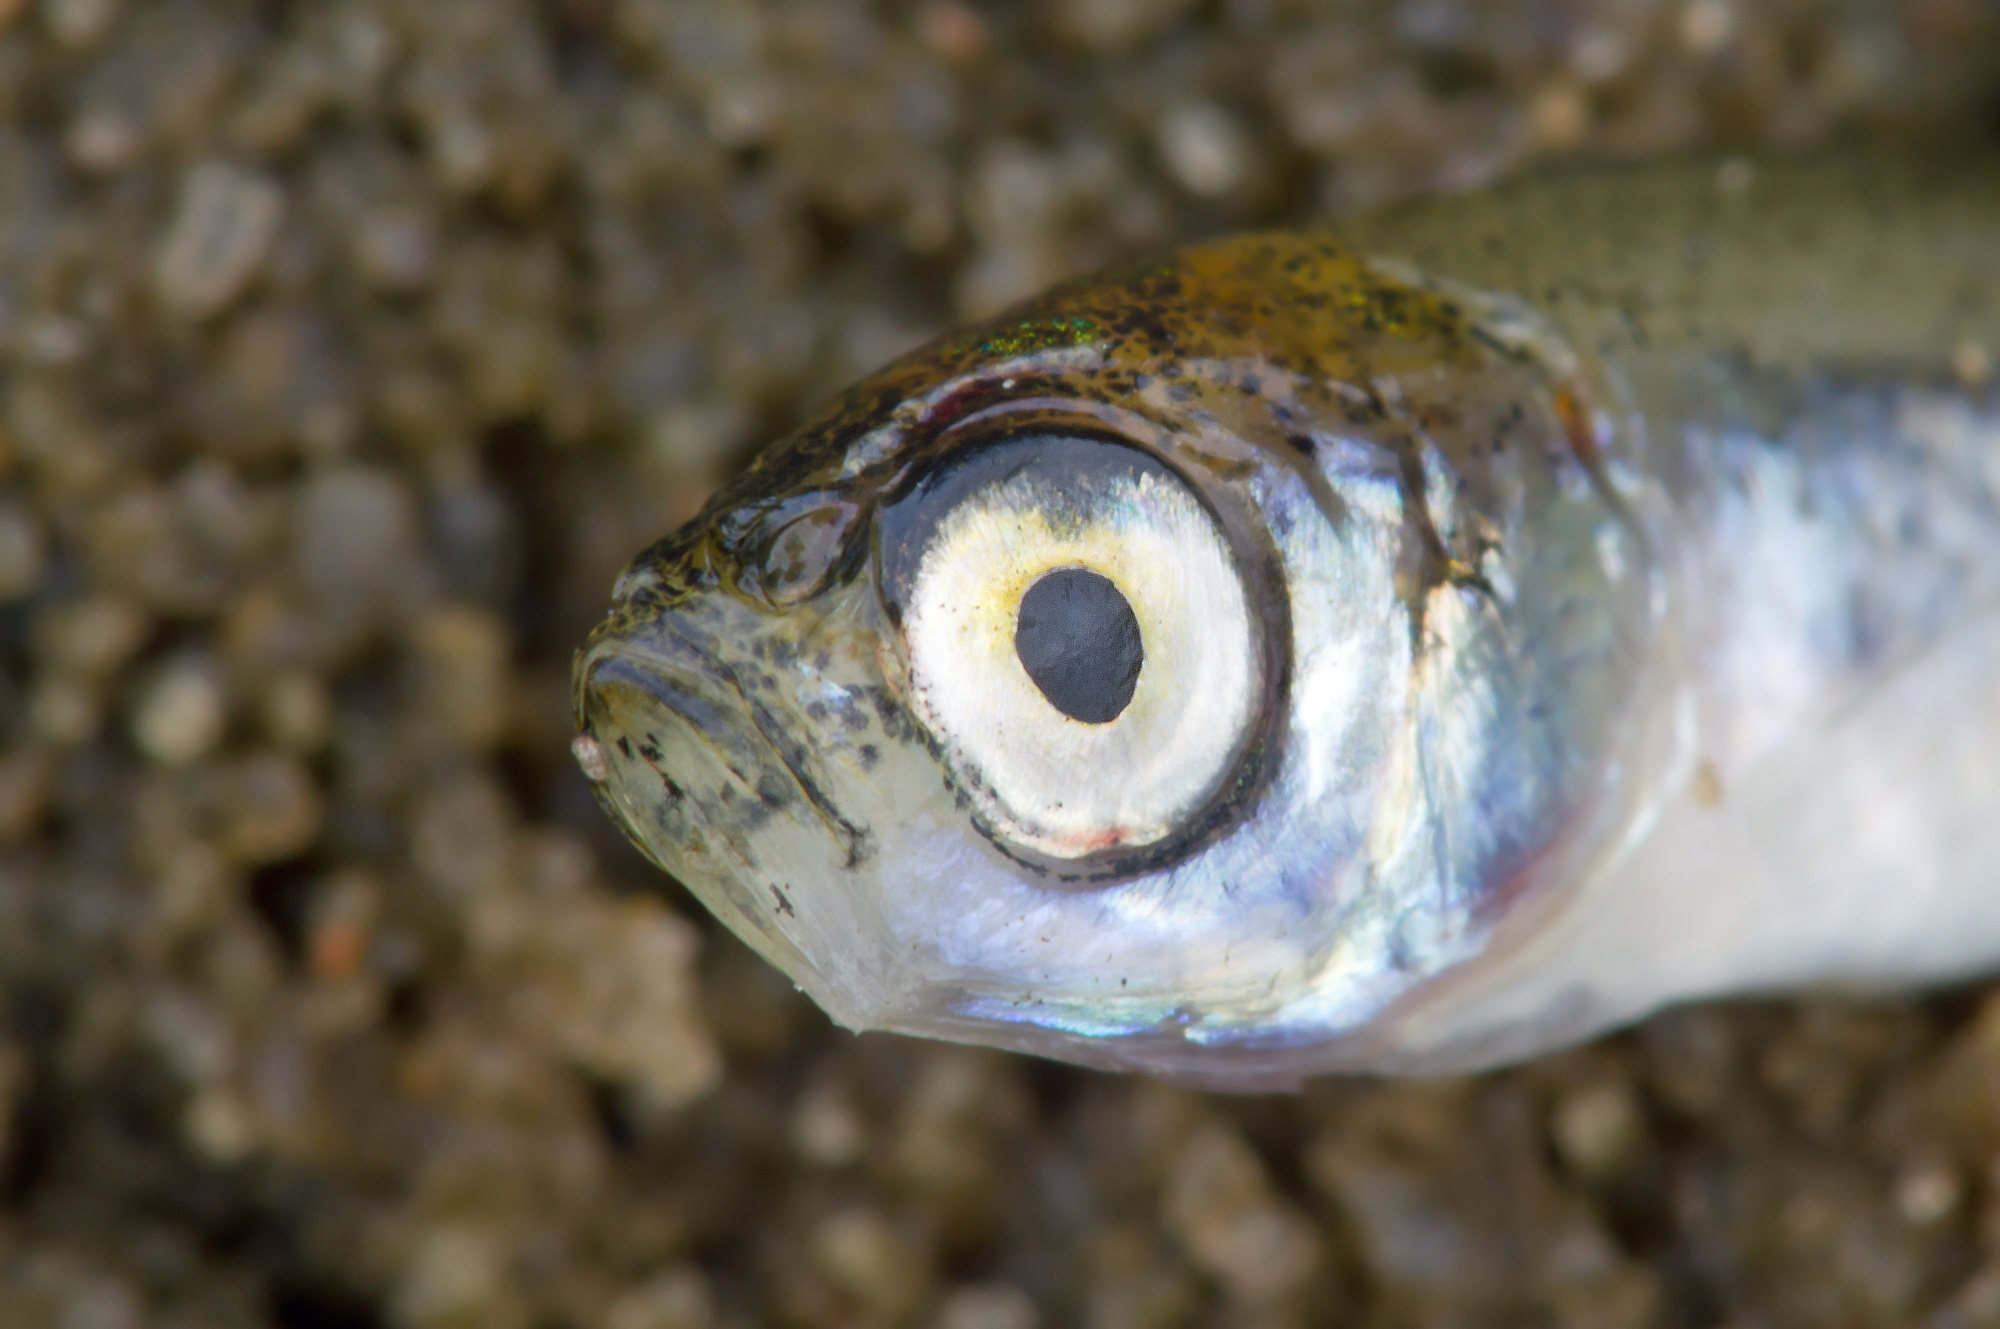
(1176, 673)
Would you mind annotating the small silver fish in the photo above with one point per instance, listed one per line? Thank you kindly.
(1409, 646)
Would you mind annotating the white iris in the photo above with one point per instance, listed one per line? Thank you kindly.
(1052, 784)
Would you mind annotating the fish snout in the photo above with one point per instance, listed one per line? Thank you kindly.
(707, 757)
(670, 749)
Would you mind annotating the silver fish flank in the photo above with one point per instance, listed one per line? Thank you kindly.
(1407, 646)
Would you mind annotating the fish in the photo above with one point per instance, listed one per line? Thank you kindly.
(1405, 645)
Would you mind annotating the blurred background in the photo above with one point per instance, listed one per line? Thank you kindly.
(347, 349)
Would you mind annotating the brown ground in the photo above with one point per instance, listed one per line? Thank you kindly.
(347, 347)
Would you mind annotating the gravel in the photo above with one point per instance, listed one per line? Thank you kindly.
(348, 348)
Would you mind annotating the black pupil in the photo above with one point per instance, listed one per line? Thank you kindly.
(1079, 640)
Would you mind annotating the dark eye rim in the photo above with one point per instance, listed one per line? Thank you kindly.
(904, 525)
(1258, 562)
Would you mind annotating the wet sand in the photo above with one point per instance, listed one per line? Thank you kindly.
(347, 349)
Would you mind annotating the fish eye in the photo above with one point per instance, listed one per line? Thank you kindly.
(1081, 643)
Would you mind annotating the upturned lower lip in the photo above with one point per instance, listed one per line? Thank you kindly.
(698, 701)
(724, 789)
(660, 704)
(698, 696)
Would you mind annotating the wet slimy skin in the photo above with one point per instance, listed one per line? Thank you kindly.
(1407, 646)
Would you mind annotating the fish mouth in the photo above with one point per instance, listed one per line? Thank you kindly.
(665, 700)
(725, 791)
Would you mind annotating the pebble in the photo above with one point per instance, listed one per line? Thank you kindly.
(181, 714)
(104, 139)
(463, 653)
(24, 792)
(1204, 148)
(1735, 176)
(684, 440)
(1411, 1231)
(344, 914)
(1597, 1127)
(1221, 1205)
(623, 1000)
(953, 31)
(395, 249)
(52, 340)
(194, 891)
(191, 1033)
(988, 1306)
(861, 1252)
(220, 1126)
(455, 1277)
(1112, 25)
(678, 1298)
(1559, 115)
(13, 1083)
(221, 235)
(827, 1129)
(94, 636)
(356, 537)
(22, 553)
(1598, 55)
(1928, 1192)
(273, 810)
(79, 24)
(1973, 364)
(1706, 25)
(55, 1287)
(297, 711)
(67, 712)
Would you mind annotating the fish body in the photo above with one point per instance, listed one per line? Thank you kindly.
(1406, 646)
